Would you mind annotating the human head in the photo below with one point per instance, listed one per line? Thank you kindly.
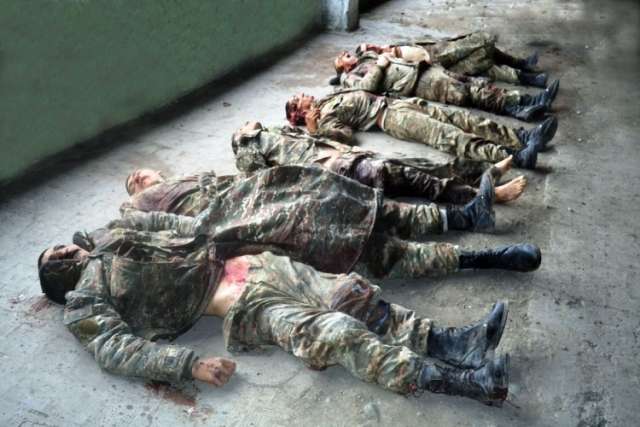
(297, 107)
(140, 179)
(59, 269)
(345, 62)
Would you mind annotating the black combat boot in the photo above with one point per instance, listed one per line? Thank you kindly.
(544, 132)
(521, 257)
(466, 347)
(544, 98)
(489, 384)
(533, 79)
(524, 112)
(527, 157)
(478, 214)
(527, 64)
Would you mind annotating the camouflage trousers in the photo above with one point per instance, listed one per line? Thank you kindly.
(445, 182)
(396, 247)
(476, 55)
(455, 132)
(327, 319)
(438, 84)
(482, 63)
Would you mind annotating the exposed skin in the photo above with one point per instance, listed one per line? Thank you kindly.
(345, 62)
(408, 53)
(504, 193)
(213, 370)
(307, 106)
(140, 179)
(64, 252)
(511, 190)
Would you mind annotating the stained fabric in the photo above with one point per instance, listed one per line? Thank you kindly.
(309, 214)
(137, 287)
(322, 319)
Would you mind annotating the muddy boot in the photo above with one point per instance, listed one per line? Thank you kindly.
(527, 64)
(524, 112)
(521, 257)
(489, 384)
(533, 79)
(544, 132)
(478, 214)
(527, 157)
(544, 98)
(466, 347)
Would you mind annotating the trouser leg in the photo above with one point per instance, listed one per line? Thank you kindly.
(405, 180)
(322, 337)
(435, 84)
(491, 98)
(503, 73)
(409, 221)
(390, 257)
(413, 125)
(503, 58)
(453, 52)
(474, 124)
(476, 63)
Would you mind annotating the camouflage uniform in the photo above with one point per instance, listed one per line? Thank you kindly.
(433, 83)
(316, 217)
(326, 319)
(137, 287)
(456, 132)
(438, 181)
(473, 55)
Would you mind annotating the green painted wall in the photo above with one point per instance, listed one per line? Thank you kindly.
(70, 69)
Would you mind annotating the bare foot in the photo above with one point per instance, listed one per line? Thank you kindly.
(511, 190)
(504, 165)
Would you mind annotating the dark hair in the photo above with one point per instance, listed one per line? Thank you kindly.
(57, 277)
(294, 116)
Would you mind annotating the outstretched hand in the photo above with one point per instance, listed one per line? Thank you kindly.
(213, 370)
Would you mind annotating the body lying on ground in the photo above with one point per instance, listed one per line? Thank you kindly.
(142, 285)
(456, 132)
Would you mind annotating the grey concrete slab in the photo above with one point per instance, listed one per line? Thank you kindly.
(573, 331)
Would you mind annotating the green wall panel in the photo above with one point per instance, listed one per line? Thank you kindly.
(71, 69)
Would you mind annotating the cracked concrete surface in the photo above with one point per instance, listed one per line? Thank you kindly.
(573, 331)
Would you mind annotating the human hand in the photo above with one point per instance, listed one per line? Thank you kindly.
(311, 120)
(213, 370)
(383, 61)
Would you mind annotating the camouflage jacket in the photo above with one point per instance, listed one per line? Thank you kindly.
(137, 287)
(309, 214)
(449, 51)
(398, 79)
(289, 146)
(347, 110)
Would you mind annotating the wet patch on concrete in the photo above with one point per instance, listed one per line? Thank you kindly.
(184, 396)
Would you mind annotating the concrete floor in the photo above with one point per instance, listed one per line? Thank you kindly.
(573, 331)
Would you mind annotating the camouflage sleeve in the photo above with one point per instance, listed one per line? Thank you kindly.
(370, 81)
(184, 226)
(331, 127)
(97, 325)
